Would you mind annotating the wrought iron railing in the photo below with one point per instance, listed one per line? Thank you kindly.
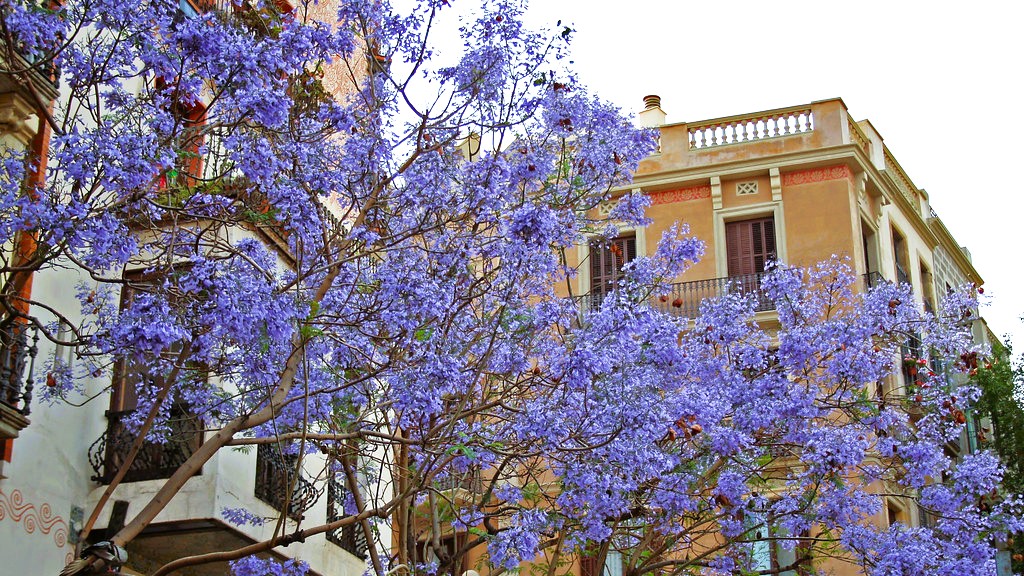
(470, 481)
(155, 460)
(279, 483)
(901, 274)
(684, 298)
(41, 69)
(350, 537)
(17, 351)
(871, 280)
(928, 306)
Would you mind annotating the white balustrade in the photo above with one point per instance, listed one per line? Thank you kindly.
(739, 129)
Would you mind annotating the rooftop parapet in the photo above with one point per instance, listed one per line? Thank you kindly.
(793, 131)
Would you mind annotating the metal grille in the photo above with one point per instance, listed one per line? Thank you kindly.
(155, 460)
(279, 484)
(351, 537)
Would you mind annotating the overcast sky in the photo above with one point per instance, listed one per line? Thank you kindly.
(940, 81)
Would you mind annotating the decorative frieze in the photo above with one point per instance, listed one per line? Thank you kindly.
(31, 518)
(817, 175)
(680, 195)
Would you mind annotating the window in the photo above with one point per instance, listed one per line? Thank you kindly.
(899, 247)
(773, 549)
(750, 244)
(869, 242)
(911, 352)
(349, 537)
(895, 513)
(925, 518)
(182, 428)
(606, 261)
(612, 563)
(191, 121)
(190, 8)
(64, 356)
(926, 288)
(451, 544)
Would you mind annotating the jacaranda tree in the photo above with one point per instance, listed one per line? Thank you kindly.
(320, 227)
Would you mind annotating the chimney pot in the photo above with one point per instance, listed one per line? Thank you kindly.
(652, 101)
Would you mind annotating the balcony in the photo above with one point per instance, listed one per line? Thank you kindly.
(693, 148)
(684, 298)
(154, 460)
(871, 280)
(279, 484)
(194, 520)
(16, 350)
(700, 144)
(902, 276)
(20, 67)
(470, 481)
(350, 538)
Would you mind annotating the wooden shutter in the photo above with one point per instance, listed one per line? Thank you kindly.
(606, 261)
(588, 566)
(749, 245)
(191, 119)
(192, 163)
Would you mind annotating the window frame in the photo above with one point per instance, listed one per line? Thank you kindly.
(754, 211)
(583, 281)
(762, 536)
(617, 250)
(182, 420)
(754, 230)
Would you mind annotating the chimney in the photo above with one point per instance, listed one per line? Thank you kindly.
(652, 115)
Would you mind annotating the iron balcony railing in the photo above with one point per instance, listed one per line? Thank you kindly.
(471, 481)
(901, 274)
(350, 537)
(42, 69)
(155, 460)
(684, 298)
(279, 484)
(870, 280)
(17, 352)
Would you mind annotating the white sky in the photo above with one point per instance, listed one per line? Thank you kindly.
(941, 81)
